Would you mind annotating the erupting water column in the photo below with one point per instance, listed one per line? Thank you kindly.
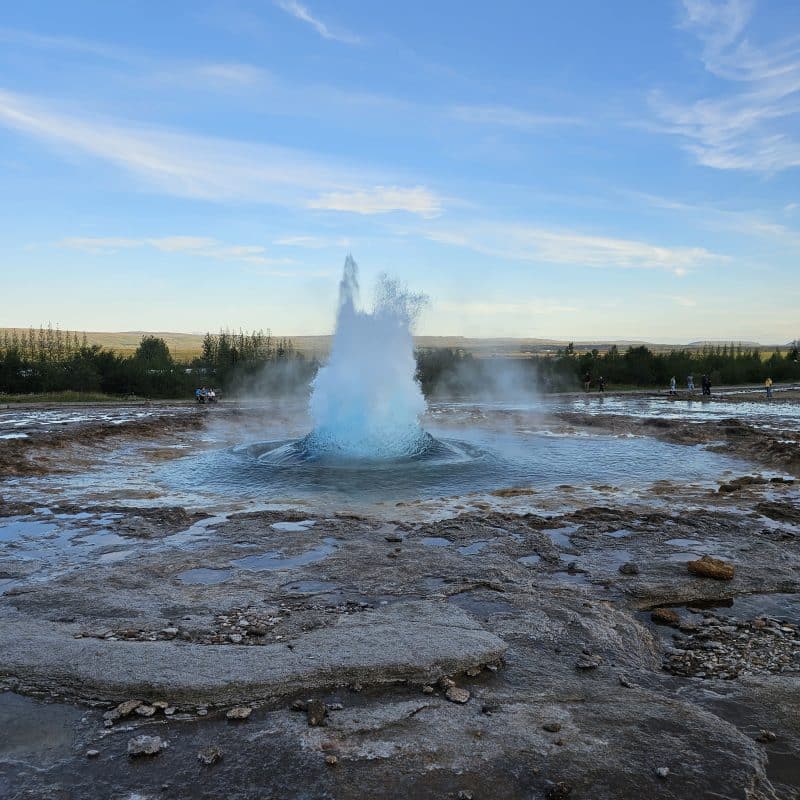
(366, 402)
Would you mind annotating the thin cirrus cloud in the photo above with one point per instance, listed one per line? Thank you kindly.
(301, 12)
(503, 308)
(196, 246)
(381, 200)
(536, 244)
(313, 242)
(750, 127)
(508, 117)
(194, 166)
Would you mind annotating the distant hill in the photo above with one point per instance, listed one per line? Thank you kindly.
(722, 342)
(188, 345)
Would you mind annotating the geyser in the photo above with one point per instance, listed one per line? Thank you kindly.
(366, 402)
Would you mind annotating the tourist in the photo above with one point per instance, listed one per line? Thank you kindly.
(198, 394)
(601, 384)
(587, 382)
(690, 383)
(768, 387)
(673, 386)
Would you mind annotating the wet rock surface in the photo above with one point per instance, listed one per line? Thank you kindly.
(504, 649)
(720, 647)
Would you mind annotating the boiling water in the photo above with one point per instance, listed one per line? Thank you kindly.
(365, 402)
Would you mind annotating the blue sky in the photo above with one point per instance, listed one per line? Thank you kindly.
(575, 170)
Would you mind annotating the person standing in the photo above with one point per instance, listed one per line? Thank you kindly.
(673, 386)
(768, 387)
(601, 384)
(690, 383)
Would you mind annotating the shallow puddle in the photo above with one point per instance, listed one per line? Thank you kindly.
(560, 536)
(290, 527)
(35, 730)
(435, 541)
(204, 575)
(622, 533)
(20, 529)
(275, 559)
(475, 547)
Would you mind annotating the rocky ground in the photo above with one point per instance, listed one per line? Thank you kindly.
(522, 646)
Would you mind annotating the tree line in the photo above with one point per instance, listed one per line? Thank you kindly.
(456, 372)
(639, 366)
(50, 360)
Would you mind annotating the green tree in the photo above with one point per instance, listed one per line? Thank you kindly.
(154, 354)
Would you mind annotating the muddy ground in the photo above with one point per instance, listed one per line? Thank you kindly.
(517, 644)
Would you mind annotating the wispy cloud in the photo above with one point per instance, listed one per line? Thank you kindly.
(301, 12)
(193, 166)
(29, 39)
(751, 126)
(381, 200)
(230, 74)
(743, 223)
(313, 242)
(521, 242)
(198, 246)
(507, 117)
(540, 307)
(680, 300)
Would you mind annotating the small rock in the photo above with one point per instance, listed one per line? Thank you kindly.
(561, 791)
(331, 760)
(299, 705)
(708, 567)
(209, 755)
(766, 736)
(145, 746)
(465, 794)
(202, 711)
(160, 704)
(122, 710)
(145, 711)
(316, 711)
(92, 753)
(473, 672)
(457, 695)
(586, 661)
(169, 633)
(236, 638)
(446, 683)
(552, 727)
(662, 772)
(239, 712)
(169, 710)
(428, 689)
(625, 682)
(257, 630)
(665, 616)
(335, 706)
(629, 568)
